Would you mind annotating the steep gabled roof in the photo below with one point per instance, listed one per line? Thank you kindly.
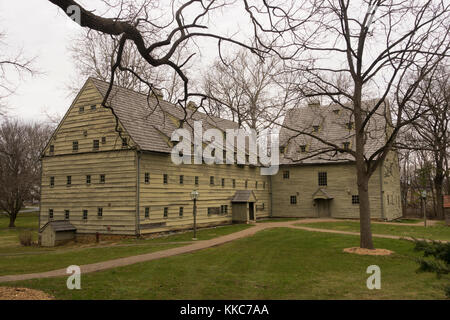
(150, 121)
(332, 122)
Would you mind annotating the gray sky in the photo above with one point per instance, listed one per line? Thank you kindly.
(40, 29)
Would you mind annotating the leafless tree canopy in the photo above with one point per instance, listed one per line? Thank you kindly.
(248, 90)
(94, 54)
(11, 65)
(20, 150)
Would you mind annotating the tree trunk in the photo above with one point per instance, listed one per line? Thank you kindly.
(12, 220)
(364, 211)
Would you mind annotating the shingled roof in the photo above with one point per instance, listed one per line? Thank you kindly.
(59, 226)
(150, 121)
(332, 122)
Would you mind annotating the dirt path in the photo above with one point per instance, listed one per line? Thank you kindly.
(120, 262)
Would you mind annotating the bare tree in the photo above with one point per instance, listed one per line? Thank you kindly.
(16, 64)
(430, 133)
(247, 90)
(20, 149)
(155, 35)
(345, 52)
(94, 55)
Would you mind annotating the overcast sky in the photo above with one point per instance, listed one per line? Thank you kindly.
(41, 29)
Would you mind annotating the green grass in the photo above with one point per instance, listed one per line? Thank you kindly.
(278, 263)
(436, 232)
(28, 221)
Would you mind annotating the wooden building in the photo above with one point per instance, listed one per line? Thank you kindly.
(114, 175)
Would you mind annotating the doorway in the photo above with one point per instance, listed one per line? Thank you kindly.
(323, 208)
(251, 211)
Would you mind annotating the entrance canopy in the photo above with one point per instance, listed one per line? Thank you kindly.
(243, 196)
(321, 194)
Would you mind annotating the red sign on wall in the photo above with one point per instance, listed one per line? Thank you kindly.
(447, 201)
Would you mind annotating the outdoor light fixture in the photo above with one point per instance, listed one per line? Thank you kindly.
(194, 196)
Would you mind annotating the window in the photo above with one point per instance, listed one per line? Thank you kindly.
(285, 174)
(75, 146)
(282, 149)
(264, 185)
(322, 178)
(147, 212)
(95, 144)
(66, 214)
(165, 178)
(124, 142)
(349, 125)
(166, 212)
(180, 213)
(50, 213)
(234, 183)
(223, 182)
(52, 181)
(147, 177)
(316, 128)
(81, 109)
(102, 178)
(355, 199)
(211, 180)
(346, 145)
(69, 180)
(293, 199)
(181, 179)
(103, 140)
(224, 209)
(246, 184)
(93, 107)
(303, 148)
(256, 184)
(88, 179)
(336, 111)
(263, 206)
(52, 148)
(85, 214)
(99, 212)
(196, 180)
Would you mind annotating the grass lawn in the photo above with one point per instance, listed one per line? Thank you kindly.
(17, 259)
(278, 263)
(436, 232)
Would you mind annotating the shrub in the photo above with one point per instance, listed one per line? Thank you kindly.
(26, 238)
(438, 261)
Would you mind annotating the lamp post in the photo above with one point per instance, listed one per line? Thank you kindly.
(194, 196)
(423, 196)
